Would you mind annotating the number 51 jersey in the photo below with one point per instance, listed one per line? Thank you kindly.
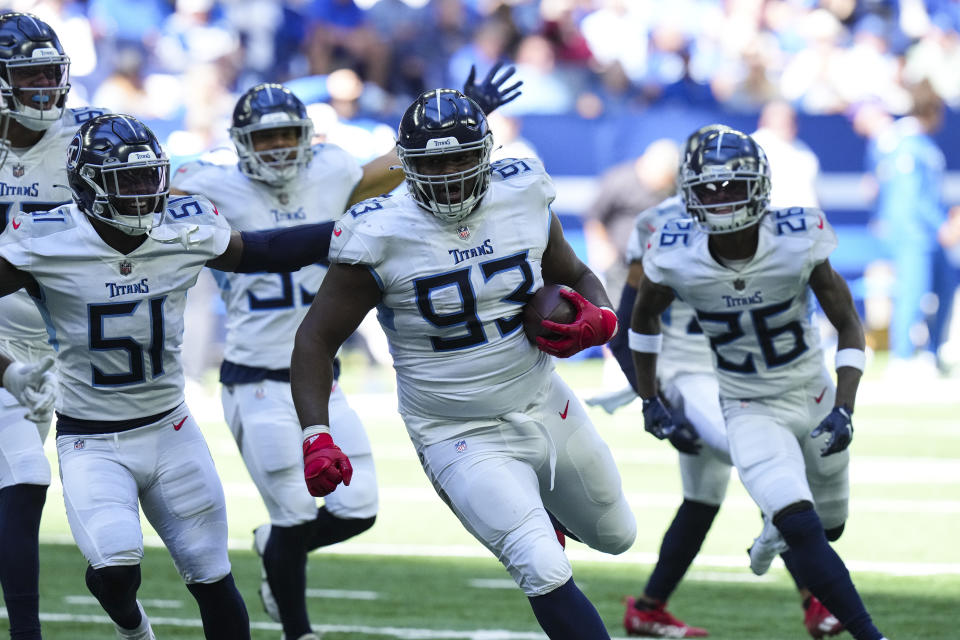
(116, 320)
(453, 293)
(758, 319)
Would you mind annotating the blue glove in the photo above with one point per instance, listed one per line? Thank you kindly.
(838, 425)
(656, 419)
(684, 438)
(488, 93)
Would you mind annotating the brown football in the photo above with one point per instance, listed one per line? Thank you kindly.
(547, 304)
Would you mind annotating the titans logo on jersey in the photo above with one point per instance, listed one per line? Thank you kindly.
(447, 293)
(758, 319)
(264, 310)
(116, 330)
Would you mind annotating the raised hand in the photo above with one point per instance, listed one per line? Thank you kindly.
(489, 94)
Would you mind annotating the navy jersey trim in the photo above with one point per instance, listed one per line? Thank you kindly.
(233, 373)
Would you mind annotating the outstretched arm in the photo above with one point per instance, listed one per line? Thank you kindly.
(491, 93)
(380, 175)
(275, 250)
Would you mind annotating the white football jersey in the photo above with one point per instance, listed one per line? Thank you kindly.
(31, 183)
(758, 319)
(453, 293)
(685, 350)
(115, 320)
(265, 309)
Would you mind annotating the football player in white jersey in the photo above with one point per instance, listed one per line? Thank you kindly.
(281, 181)
(449, 266)
(750, 274)
(110, 273)
(688, 385)
(35, 128)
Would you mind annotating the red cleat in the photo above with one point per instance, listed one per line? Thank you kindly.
(819, 621)
(657, 623)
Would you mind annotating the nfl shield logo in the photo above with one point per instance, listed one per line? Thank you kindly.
(18, 170)
(463, 232)
(283, 198)
(739, 284)
(78, 444)
(461, 446)
(126, 267)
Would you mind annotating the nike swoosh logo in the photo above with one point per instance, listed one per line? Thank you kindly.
(820, 224)
(563, 414)
(818, 398)
(16, 223)
(176, 426)
(337, 232)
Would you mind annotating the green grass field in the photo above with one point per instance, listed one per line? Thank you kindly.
(417, 574)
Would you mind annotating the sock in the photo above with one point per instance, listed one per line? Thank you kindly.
(790, 562)
(681, 544)
(116, 590)
(566, 614)
(20, 508)
(285, 559)
(823, 572)
(222, 610)
(327, 529)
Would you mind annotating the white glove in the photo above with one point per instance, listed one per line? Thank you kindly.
(34, 386)
(613, 400)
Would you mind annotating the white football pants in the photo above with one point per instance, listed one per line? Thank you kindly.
(22, 460)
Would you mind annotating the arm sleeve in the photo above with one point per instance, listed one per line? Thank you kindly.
(284, 250)
(619, 344)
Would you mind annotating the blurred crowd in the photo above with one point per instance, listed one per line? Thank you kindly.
(180, 63)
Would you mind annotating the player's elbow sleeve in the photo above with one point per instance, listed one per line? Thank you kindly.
(283, 250)
(619, 344)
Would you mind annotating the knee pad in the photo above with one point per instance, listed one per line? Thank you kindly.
(798, 522)
(115, 585)
(834, 534)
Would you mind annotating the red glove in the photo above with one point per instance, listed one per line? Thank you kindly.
(324, 465)
(594, 325)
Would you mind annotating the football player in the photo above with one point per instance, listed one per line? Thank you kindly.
(748, 273)
(110, 273)
(688, 385)
(449, 266)
(35, 128)
(280, 181)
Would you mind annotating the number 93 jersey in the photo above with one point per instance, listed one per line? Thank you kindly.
(31, 183)
(759, 319)
(453, 292)
(115, 320)
(685, 350)
(265, 309)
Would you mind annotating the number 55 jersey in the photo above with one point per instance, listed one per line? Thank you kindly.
(116, 320)
(758, 318)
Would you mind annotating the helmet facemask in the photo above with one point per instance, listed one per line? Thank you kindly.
(451, 195)
(131, 196)
(274, 165)
(35, 89)
(725, 201)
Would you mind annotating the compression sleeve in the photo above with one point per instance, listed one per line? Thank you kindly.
(284, 250)
(619, 344)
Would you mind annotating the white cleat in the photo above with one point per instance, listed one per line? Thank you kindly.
(142, 632)
(260, 536)
(767, 546)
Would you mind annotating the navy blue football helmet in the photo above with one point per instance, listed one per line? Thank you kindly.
(34, 71)
(726, 182)
(445, 126)
(118, 173)
(266, 107)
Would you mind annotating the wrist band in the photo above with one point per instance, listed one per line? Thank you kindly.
(644, 342)
(855, 358)
(315, 430)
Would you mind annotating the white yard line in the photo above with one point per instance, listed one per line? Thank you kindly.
(407, 633)
(342, 594)
(149, 603)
